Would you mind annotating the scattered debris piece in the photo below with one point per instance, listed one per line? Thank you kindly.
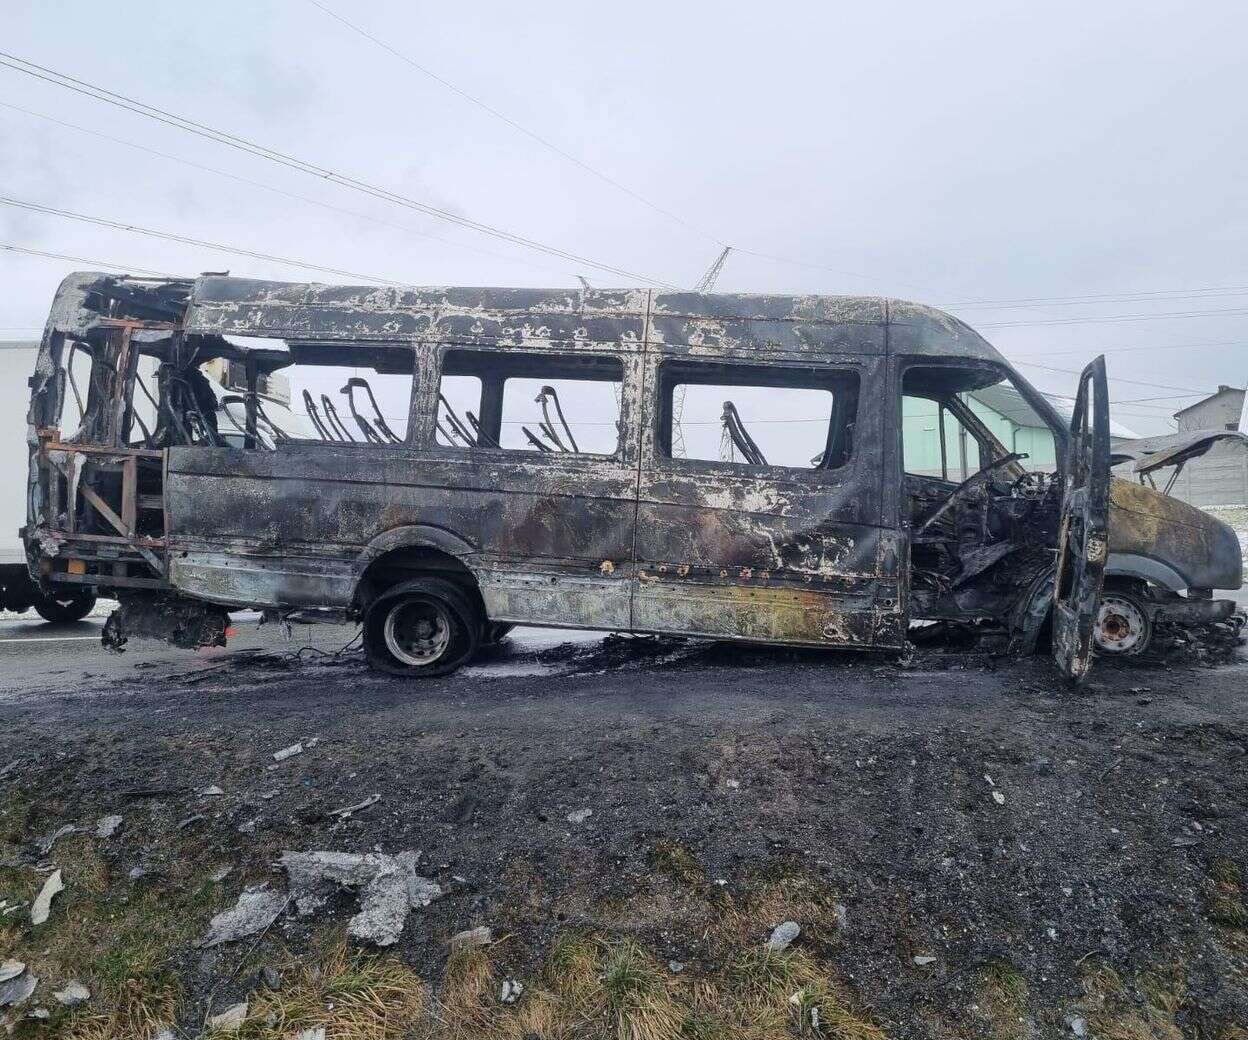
(923, 960)
(40, 1013)
(315, 1033)
(212, 791)
(107, 826)
(472, 937)
(256, 909)
(271, 977)
(229, 1021)
(579, 816)
(249, 826)
(389, 888)
(998, 797)
(1078, 1024)
(11, 969)
(8, 769)
(842, 916)
(221, 873)
(288, 752)
(136, 873)
(782, 936)
(675, 967)
(73, 993)
(191, 820)
(42, 906)
(511, 991)
(733, 784)
(46, 843)
(18, 990)
(347, 810)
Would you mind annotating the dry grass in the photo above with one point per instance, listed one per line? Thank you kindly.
(1002, 994)
(1114, 1013)
(593, 985)
(354, 996)
(1226, 900)
(671, 858)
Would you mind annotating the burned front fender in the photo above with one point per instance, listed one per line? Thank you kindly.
(1168, 542)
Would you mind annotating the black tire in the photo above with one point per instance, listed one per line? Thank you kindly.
(496, 631)
(64, 607)
(1123, 627)
(422, 628)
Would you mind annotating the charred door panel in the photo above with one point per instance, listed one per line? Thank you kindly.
(768, 553)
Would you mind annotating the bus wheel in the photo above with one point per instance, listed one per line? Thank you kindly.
(73, 606)
(1122, 626)
(421, 628)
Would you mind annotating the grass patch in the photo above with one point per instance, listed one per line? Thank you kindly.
(1002, 993)
(1117, 1011)
(593, 985)
(117, 939)
(1226, 899)
(354, 996)
(671, 858)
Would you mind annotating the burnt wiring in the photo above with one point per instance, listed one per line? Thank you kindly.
(456, 424)
(483, 438)
(315, 415)
(331, 417)
(740, 436)
(376, 431)
(545, 396)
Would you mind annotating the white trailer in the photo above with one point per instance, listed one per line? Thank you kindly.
(17, 591)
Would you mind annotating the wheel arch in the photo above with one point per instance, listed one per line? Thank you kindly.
(403, 552)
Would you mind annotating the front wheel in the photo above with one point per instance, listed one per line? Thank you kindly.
(61, 608)
(1122, 626)
(421, 628)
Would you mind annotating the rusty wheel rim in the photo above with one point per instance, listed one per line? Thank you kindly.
(1120, 626)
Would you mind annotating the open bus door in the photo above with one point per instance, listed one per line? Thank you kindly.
(1083, 538)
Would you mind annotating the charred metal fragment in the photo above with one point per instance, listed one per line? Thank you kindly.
(184, 623)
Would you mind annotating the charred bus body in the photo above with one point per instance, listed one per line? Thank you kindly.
(455, 461)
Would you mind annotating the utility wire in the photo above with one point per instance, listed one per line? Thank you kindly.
(1123, 297)
(1111, 318)
(356, 214)
(518, 127)
(35, 207)
(82, 260)
(1116, 379)
(302, 166)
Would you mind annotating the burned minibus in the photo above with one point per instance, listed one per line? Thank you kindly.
(442, 464)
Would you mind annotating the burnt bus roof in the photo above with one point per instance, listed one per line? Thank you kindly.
(630, 319)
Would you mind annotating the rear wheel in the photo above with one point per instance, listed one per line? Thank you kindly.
(421, 628)
(1122, 626)
(63, 607)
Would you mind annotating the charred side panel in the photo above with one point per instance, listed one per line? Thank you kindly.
(774, 554)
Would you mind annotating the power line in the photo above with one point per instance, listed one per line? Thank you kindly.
(270, 188)
(184, 240)
(1124, 297)
(1111, 318)
(518, 127)
(83, 260)
(302, 166)
(1116, 379)
(1140, 348)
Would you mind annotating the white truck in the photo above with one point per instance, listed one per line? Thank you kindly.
(17, 592)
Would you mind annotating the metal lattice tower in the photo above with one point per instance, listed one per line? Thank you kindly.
(705, 284)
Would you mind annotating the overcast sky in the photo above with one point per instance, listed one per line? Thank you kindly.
(939, 152)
